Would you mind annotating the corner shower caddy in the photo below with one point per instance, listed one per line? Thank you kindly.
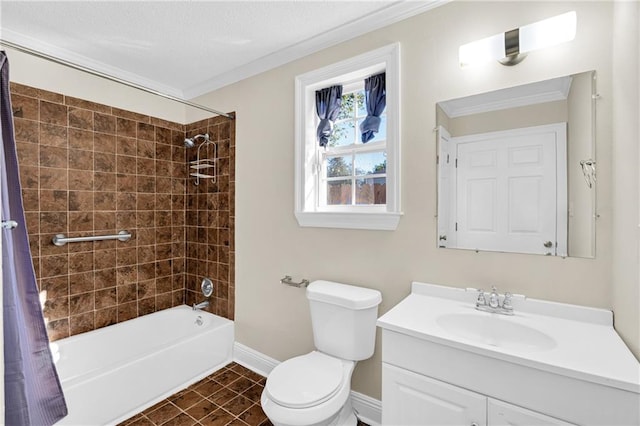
(205, 168)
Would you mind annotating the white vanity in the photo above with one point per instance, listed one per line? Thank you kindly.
(446, 363)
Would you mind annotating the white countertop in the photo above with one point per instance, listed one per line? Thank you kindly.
(588, 348)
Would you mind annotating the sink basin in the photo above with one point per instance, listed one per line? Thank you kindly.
(494, 330)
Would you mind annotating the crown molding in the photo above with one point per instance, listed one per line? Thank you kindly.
(391, 14)
(74, 58)
(396, 12)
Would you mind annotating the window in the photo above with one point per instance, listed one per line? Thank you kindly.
(347, 183)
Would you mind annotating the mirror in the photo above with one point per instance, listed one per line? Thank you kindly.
(517, 170)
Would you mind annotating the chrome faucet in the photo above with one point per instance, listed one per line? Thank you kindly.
(494, 298)
(201, 305)
(493, 305)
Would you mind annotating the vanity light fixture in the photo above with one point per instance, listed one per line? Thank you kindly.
(510, 48)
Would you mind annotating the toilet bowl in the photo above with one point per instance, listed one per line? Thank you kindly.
(311, 389)
(314, 389)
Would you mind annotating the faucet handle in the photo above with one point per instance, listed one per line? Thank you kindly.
(481, 301)
(506, 303)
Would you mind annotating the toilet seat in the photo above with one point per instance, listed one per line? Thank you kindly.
(305, 381)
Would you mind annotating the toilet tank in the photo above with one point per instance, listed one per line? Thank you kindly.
(344, 319)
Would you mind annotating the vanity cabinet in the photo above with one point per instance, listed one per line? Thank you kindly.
(446, 363)
(413, 399)
(421, 377)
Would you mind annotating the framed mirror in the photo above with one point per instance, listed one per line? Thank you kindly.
(517, 169)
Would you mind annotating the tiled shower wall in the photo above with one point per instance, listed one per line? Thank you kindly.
(90, 169)
(210, 218)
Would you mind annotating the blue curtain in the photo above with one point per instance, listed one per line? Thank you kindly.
(375, 94)
(328, 103)
(32, 391)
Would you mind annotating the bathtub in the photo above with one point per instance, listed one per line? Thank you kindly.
(112, 373)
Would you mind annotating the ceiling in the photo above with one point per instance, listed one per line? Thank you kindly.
(188, 48)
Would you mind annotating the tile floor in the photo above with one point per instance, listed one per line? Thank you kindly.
(230, 396)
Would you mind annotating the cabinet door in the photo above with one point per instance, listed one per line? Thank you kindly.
(503, 414)
(411, 399)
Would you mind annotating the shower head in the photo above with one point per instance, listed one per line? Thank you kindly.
(191, 142)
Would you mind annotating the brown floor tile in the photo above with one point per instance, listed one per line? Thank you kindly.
(218, 418)
(237, 422)
(208, 388)
(254, 416)
(185, 399)
(164, 413)
(142, 421)
(243, 371)
(253, 393)
(181, 419)
(255, 377)
(222, 396)
(230, 396)
(202, 409)
(238, 405)
(225, 377)
(241, 385)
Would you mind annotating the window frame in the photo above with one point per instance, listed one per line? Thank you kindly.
(352, 150)
(308, 212)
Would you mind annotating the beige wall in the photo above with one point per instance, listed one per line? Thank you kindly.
(273, 318)
(626, 138)
(35, 72)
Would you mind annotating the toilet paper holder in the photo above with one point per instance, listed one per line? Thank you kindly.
(289, 281)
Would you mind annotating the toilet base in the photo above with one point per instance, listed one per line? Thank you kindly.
(345, 417)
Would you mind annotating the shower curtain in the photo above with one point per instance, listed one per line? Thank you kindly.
(32, 391)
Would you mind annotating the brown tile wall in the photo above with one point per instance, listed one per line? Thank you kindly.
(210, 219)
(88, 169)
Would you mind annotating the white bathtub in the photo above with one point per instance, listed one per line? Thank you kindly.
(112, 373)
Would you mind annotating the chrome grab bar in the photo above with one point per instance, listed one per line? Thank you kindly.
(61, 240)
(289, 281)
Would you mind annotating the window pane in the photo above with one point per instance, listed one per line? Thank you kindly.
(371, 162)
(362, 108)
(339, 192)
(371, 191)
(343, 134)
(347, 108)
(339, 166)
(382, 130)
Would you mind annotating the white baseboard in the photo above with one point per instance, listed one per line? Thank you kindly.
(253, 360)
(369, 409)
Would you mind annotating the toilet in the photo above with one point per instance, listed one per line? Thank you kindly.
(314, 389)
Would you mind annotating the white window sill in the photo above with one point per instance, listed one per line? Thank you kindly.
(385, 221)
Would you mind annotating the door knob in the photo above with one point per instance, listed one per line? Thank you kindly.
(548, 244)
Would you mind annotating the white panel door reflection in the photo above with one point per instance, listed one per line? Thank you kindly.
(510, 188)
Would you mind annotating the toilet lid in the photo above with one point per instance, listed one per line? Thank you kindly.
(305, 380)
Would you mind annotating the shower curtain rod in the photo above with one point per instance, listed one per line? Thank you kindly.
(110, 77)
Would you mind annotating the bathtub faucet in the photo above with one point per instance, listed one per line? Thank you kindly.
(200, 305)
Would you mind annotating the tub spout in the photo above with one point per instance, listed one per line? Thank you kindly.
(201, 305)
